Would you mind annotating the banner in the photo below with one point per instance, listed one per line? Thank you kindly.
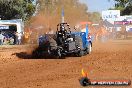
(110, 14)
(4, 27)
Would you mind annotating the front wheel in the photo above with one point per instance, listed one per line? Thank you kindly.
(80, 53)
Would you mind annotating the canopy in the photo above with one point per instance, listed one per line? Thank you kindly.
(17, 22)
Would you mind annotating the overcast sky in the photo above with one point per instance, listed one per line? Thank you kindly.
(98, 5)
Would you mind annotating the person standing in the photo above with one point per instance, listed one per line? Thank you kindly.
(16, 37)
(1, 38)
(19, 38)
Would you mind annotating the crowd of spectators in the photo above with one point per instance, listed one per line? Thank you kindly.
(10, 38)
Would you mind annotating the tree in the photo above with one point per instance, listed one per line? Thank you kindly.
(16, 9)
(50, 12)
(125, 6)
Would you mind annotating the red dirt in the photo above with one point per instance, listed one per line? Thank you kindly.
(112, 60)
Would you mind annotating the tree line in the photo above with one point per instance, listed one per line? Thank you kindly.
(125, 6)
(73, 9)
(24, 9)
(16, 9)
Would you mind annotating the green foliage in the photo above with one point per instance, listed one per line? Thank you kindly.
(125, 6)
(16, 9)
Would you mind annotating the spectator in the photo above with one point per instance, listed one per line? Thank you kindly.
(19, 38)
(16, 37)
(1, 38)
(11, 40)
(6, 41)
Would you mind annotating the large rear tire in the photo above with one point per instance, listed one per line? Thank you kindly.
(37, 53)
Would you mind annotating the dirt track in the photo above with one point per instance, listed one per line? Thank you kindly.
(112, 60)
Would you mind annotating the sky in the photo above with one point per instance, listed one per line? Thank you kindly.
(98, 5)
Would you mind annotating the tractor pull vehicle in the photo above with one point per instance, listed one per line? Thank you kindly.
(64, 42)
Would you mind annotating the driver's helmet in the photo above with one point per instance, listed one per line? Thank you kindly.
(62, 28)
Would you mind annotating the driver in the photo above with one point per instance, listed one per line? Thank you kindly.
(63, 31)
(62, 34)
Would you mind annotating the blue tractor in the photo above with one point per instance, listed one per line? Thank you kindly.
(64, 42)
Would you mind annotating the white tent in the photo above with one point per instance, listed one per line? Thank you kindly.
(18, 22)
